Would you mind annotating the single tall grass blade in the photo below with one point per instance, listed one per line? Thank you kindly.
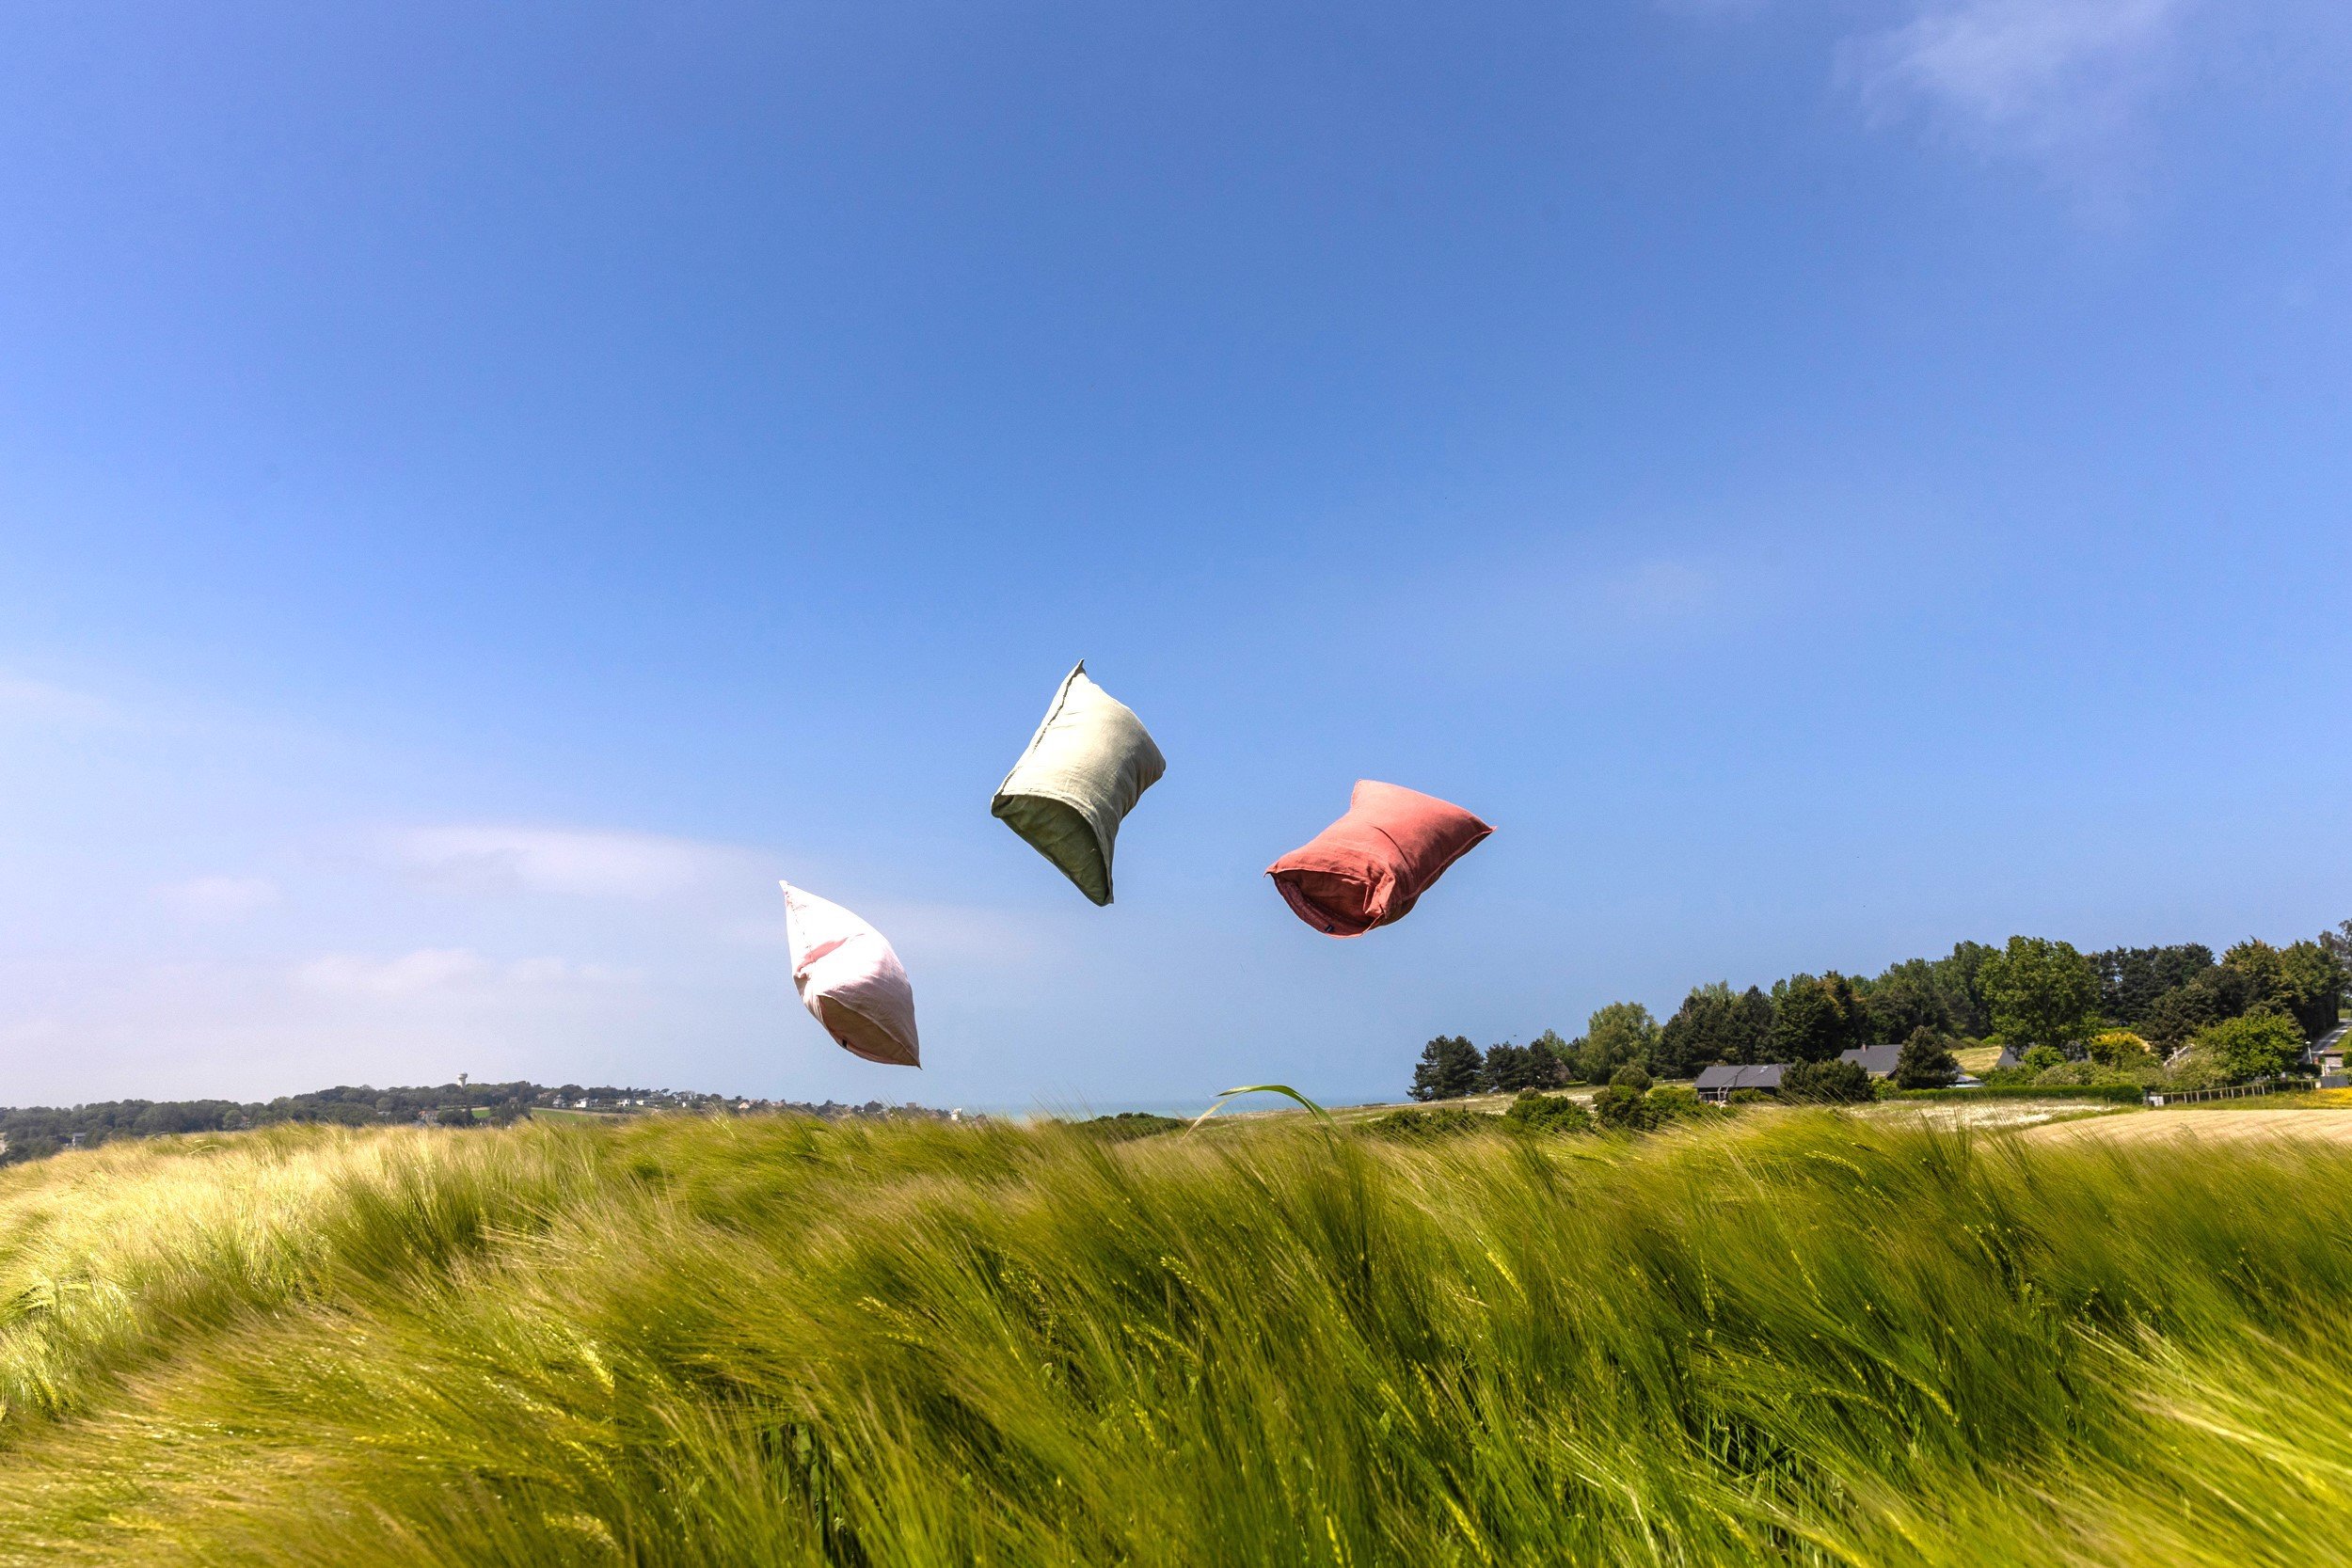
(1263, 1089)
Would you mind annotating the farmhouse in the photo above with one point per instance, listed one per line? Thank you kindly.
(1716, 1083)
(1876, 1060)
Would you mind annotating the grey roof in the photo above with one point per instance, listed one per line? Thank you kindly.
(1876, 1060)
(1764, 1075)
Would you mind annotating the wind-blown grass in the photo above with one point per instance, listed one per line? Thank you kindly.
(1801, 1339)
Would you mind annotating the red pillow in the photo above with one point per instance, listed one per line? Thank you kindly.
(1367, 868)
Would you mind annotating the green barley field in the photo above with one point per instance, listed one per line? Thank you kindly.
(1796, 1338)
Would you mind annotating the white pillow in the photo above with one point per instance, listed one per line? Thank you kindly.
(1085, 769)
(851, 978)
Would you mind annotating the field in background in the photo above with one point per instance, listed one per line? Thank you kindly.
(1800, 1338)
(2225, 1121)
(550, 1113)
(1978, 1059)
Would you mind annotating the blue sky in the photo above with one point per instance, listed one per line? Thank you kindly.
(484, 492)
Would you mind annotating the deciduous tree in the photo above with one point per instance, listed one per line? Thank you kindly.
(1904, 999)
(1959, 976)
(1619, 1033)
(2256, 1045)
(2042, 992)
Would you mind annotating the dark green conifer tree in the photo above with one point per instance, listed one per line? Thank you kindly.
(1450, 1068)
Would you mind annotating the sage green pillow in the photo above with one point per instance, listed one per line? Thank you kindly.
(1085, 769)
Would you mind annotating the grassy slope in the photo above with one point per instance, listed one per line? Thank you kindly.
(1978, 1058)
(1799, 1339)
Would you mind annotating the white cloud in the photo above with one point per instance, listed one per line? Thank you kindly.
(2045, 77)
(563, 972)
(580, 863)
(41, 702)
(444, 969)
(428, 969)
(218, 897)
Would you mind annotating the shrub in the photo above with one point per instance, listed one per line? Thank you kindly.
(2077, 1074)
(1926, 1061)
(2259, 1045)
(1625, 1108)
(2118, 1048)
(1547, 1113)
(1830, 1082)
(1750, 1096)
(2111, 1093)
(1630, 1076)
(1427, 1126)
(2144, 1073)
(1678, 1100)
(2043, 1057)
(2196, 1068)
(1128, 1124)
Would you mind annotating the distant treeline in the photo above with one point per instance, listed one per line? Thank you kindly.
(2031, 992)
(30, 1133)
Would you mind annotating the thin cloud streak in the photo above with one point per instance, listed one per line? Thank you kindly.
(218, 898)
(428, 969)
(572, 862)
(42, 703)
(2047, 78)
(431, 970)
